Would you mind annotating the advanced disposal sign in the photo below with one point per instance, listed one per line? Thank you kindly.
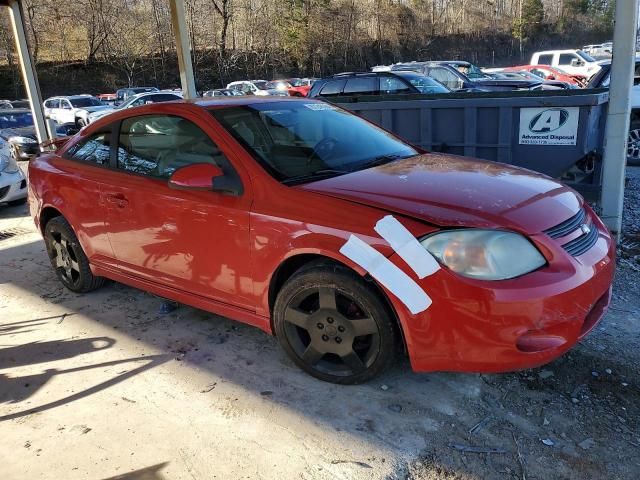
(549, 126)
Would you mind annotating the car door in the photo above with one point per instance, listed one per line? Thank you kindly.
(570, 63)
(194, 241)
(83, 166)
(51, 108)
(446, 77)
(65, 113)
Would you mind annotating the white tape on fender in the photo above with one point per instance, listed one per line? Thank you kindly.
(407, 246)
(385, 272)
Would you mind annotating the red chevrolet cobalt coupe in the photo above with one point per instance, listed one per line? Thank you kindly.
(310, 223)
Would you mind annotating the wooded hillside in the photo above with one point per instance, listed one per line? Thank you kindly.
(98, 45)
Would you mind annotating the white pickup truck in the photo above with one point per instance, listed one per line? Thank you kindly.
(575, 62)
(601, 80)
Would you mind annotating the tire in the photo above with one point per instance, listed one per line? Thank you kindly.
(67, 257)
(334, 326)
(17, 203)
(633, 143)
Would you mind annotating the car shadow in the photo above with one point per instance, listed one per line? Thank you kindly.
(401, 411)
(149, 473)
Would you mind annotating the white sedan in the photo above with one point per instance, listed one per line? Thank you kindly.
(13, 183)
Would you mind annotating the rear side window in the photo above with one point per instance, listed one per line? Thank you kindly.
(361, 86)
(546, 59)
(445, 77)
(157, 145)
(332, 87)
(95, 149)
(393, 85)
(566, 58)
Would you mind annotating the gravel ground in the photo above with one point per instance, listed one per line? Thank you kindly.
(100, 386)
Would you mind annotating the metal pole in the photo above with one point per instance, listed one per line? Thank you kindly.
(183, 48)
(29, 75)
(617, 130)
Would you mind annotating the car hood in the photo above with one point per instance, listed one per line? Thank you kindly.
(102, 112)
(506, 82)
(29, 132)
(97, 108)
(447, 190)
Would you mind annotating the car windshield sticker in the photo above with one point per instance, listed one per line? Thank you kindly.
(319, 106)
(407, 246)
(388, 274)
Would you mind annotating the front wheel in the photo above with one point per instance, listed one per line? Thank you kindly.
(633, 144)
(67, 257)
(334, 326)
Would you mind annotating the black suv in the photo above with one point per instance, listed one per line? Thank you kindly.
(375, 83)
(464, 76)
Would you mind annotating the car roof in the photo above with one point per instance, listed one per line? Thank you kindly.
(242, 100)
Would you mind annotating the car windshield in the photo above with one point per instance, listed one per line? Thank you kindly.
(297, 82)
(15, 120)
(85, 102)
(261, 84)
(423, 83)
(300, 142)
(474, 72)
(585, 56)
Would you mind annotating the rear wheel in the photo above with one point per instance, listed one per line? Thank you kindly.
(633, 143)
(334, 326)
(67, 257)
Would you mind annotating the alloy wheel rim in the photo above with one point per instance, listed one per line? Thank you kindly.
(64, 258)
(633, 145)
(331, 332)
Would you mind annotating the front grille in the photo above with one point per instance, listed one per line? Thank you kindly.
(582, 244)
(3, 191)
(567, 226)
(578, 245)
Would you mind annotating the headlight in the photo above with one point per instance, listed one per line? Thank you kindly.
(484, 254)
(23, 140)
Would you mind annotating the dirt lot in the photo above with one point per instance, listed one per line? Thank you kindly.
(100, 386)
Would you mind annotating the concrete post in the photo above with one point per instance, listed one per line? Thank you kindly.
(617, 130)
(29, 75)
(183, 48)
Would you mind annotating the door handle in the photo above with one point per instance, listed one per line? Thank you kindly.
(117, 199)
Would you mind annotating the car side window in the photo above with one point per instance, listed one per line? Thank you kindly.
(546, 59)
(95, 149)
(566, 58)
(157, 145)
(361, 86)
(445, 77)
(393, 85)
(332, 87)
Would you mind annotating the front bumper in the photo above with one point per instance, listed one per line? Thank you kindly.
(13, 186)
(478, 326)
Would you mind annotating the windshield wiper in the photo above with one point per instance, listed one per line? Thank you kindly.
(325, 172)
(381, 160)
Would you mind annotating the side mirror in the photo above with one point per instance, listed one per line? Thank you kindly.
(576, 62)
(205, 176)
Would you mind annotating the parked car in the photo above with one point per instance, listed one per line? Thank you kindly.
(20, 104)
(18, 133)
(598, 50)
(574, 62)
(375, 83)
(300, 86)
(602, 80)
(108, 98)
(519, 74)
(123, 94)
(309, 222)
(4, 104)
(13, 184)
(222, 92)
(255, 87)
(136, 101)
(549, 73)
(281, 86)
(74, 109)
(464, 76)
